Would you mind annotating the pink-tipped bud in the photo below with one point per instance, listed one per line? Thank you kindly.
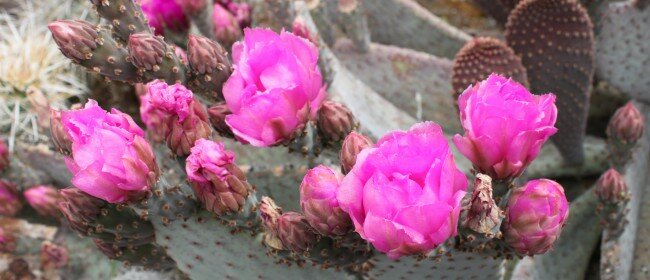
(146, 51)
(626, 125)
(76, 39)
(226, 27)
(535, 216)
(7, 241)
(353, 144)
(184, 120)
(299, 28)
(611, 188)
(58, 133)
(335, 121)
(53, 256)
(165, 15)
(218, 113)
(269, 214)
(319, 204)
(44, 199)
(10, 202)
(209, 64)
(482, 214)
(4, 155)
(79, 209)
(295, 232)
(217, 182)
(242, 13)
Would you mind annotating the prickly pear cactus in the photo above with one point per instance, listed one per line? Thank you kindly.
(556, 43)
(622, 46)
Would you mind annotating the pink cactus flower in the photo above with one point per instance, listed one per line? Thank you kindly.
(217, 182)
(535, 216)
(4, 155)
(319, 204)
(10, 202)
(110, 158)
(165, 15)
(226, 27)
(404, 194)
(505, 126)
(275, 87)
(44, 199)
(242, 13)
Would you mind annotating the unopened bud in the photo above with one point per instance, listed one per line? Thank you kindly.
(335, 121)
(218, 113)
(10, 202)
(75, 38)
(295, 232)
(353, 144)
(44, 199)
(269, 214)
(299, 28)
(611, 188)
(146, 50)
(482, 214)
(627, 124)
(319, 203)
(59, 136)
(226, 27)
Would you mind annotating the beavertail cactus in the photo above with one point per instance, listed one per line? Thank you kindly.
(535, 216)
(556, 43)
(217, 182)
(10, 202)
(505, 126)
(319, 204)
(44, 199)
(404, 194)
(335, 121)
(352, 145)
(4, 155)
(481, 57)
(110, 158)
(271, 105)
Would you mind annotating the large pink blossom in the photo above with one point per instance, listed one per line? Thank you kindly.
(505, 126)
(535, 216)
(110, 158)
(165, 14)
(404, 194)
(275, 87)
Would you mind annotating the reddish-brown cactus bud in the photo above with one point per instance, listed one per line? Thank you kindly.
(611, 188)
(295, 232)
(60, 138)
(76, 39)
(146, 51)
(53, 256)
(79, 209)
(10, 202)
(480, 58)
(626, 125)
(352, 146)
(482, 214)
(210, 66)
(218, 113)
(44, 199)
(4, 155)
(195, 126)
(269, 214)
(335, 121)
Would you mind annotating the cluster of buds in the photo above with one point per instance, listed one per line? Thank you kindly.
(216, 180)
(625, 128)
(174, 114)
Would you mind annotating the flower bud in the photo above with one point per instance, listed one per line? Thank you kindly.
(218, 113)
(352, 146)
(7, 241)
(611, 188)
(335, 121)
(79, 209)
(165, 15)
(53, 256)
(626, 125)
(319, 204)
(242, 13)
(482, 215)
(295, 232)
(4, 155)
(58, 133)
(217, 182)
(226, 27)
(44, 199)
(535, 216)
(299, 28)
(269, 214)
(10, 202)
(210, 66)
(110, 158)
